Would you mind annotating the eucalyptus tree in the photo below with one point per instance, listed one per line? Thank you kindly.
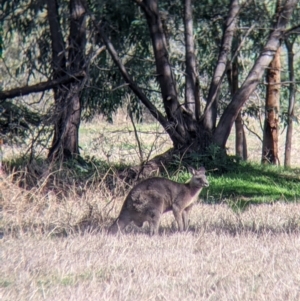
(271, 126)
(173, 55)
(272, 106)
(50, 45)
(189, 128)
(52, 39)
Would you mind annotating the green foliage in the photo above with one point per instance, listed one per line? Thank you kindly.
(247, 184)
(16, 120)
(27, 52)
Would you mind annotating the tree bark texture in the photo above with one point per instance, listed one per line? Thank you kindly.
(67, 98)
(57, 40)
(271, 126)
(292, 95)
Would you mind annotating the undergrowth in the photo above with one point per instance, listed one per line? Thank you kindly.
(247, 183)
(80, 194)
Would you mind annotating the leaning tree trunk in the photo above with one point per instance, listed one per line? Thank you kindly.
(175, 120)
(242, 95)
(67, 105)
(210, 113)
(196, 134)
(271, 127)
(292, 94)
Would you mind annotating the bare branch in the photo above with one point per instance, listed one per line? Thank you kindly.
(40, 87)
(293, 30)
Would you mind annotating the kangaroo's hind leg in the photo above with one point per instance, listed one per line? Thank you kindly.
(120, 223)
(153, 219)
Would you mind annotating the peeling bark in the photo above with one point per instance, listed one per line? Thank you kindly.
(271, 126)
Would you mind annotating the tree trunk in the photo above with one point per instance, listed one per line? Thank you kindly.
(169, 128)
(192, 101)
(210, 113)
(164, 72)
(270, 137)
(242, 95)
(67, 101)
(58, 44)
(240, 138)
(292, 95)
(178, 119)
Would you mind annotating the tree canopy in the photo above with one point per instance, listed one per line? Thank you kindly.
(173, 56)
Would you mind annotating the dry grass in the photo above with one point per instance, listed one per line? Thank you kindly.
(192, 266)
(55, 248)
(117, 143)
(53, 245)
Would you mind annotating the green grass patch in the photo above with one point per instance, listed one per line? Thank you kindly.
(248, 184)
(255, 184)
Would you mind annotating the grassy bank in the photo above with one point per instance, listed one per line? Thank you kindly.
(255, 184)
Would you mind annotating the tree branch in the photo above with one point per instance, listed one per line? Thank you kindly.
(242, 95)
(136, 90)
(40, 87)
(210, 114)
(293, 30)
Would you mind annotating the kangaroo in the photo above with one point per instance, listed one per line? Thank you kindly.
(152, 197)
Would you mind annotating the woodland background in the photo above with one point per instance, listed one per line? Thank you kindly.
(95, 95)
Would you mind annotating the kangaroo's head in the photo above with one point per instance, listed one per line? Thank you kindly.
(199, 178)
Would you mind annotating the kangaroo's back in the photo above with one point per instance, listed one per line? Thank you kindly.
(152, 197)
(165, 188)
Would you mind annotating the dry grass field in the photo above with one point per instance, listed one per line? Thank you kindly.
(54, 246)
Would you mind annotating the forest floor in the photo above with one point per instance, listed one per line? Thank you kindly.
(54, 246)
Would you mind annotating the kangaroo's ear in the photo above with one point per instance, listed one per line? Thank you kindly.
(191, 170)
(201, 169)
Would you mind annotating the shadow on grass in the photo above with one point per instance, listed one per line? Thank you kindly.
(253, 184)
(221, 227)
